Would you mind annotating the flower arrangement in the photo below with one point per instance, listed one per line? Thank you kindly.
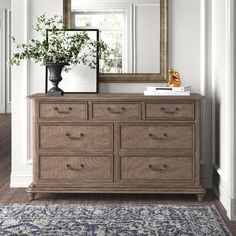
(60, 47)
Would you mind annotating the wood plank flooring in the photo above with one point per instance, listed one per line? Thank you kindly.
(18, 195)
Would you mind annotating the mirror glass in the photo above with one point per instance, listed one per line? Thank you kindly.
(135, 31)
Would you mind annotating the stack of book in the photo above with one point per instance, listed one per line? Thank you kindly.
(168, 91)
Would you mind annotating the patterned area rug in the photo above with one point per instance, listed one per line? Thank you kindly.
(91, 220)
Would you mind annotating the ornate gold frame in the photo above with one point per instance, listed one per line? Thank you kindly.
(143, 77)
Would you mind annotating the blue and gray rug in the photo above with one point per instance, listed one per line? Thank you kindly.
(99, 220)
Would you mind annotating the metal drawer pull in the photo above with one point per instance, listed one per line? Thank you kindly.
(61, 111)
(116, 112)
(73, 168)
(156, 168)
(165, 137)
(165, 110)
(81, 135)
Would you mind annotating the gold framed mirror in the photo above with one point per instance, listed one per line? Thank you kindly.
(136, 31)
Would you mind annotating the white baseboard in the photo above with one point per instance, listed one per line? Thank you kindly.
(8, 108)
(20, 180)
(228, 203)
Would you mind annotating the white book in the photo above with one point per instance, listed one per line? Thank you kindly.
(162, 88)
(167, 93)
(182, 88)
(170, 92)
(173, 93)
(159, 88)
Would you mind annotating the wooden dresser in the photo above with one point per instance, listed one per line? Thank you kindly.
(116, 143)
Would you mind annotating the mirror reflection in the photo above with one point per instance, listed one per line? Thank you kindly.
(131, 28)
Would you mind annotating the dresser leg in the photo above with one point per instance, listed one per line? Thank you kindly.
(200, 197)
(31, 196)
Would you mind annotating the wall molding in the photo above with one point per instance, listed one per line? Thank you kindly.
(226, 201)
(224, 197)
(5, 69)
(20, 179)
(20, 90)
(8, 67)
(2, 60)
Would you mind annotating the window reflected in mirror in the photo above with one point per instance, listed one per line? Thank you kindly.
(112, 31)
(135, 32)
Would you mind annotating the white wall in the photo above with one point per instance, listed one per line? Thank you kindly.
(6, 4)
(186, 53)
(5, 93)
(26, 79)
(234, 166)
(2, 59)
(223, 102)
(139, 14)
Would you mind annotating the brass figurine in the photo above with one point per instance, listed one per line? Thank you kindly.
(174, 78)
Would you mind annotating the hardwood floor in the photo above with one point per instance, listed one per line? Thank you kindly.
(18, 195)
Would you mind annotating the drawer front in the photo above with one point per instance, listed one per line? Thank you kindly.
(82, 137)
(63, 111)
(157, 168)
(84, 168)
(175, 110)
(116, 111)
(159, 137)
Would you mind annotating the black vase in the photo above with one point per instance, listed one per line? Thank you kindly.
(55, 70)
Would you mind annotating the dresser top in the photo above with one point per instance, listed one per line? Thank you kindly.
(113, 96)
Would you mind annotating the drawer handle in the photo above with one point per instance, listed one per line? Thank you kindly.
(156, 168)
(73, 168)
(116, 112)
(81, 135)
(165, 110)
(61, 111)
(165, 137)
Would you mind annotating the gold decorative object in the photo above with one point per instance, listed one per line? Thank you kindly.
(174, 78)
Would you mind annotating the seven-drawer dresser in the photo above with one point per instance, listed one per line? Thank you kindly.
(116, 143)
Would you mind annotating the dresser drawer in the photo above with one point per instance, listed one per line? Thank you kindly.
(116, 111)
(84, 168)
(158, 137)
(90, 137)
(169, 110)
(63, 111)
(157, 168)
